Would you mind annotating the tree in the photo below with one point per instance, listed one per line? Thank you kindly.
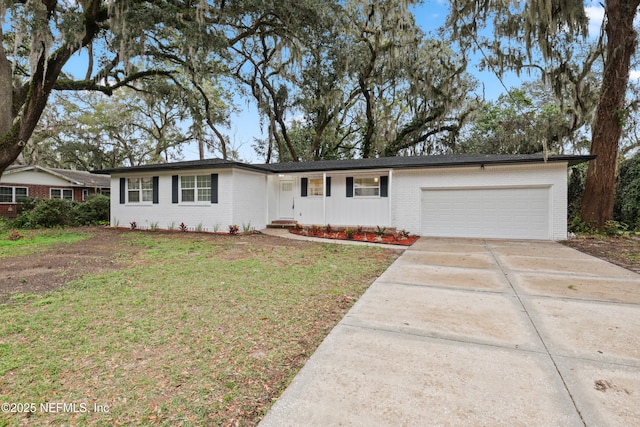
(124, 41)
(523, 121)
(542, 26)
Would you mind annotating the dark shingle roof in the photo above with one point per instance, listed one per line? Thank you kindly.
(406, 162)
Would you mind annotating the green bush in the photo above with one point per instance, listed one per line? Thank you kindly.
(26, 204)
(47, 213)
(627, 202)
(94, 211)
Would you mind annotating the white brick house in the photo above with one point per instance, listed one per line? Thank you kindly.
(486, 196)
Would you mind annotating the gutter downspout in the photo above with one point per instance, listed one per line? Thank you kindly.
(324, 198)
(390, 195)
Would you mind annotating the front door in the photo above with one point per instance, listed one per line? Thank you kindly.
(285, 210)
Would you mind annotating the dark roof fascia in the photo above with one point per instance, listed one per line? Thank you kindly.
(415, 162)
(419, 162)
(195, 164)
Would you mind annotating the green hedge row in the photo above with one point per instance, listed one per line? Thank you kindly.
(44, 213)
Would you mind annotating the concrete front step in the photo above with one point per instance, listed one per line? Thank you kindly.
(282, 224)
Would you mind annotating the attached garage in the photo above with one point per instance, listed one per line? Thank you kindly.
(503, 212)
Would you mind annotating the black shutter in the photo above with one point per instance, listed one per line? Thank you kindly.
(156, 184)
(123, 191)
(214, 188)
(304, 183)
(349, 186)
(384, 186)
(328, 186)
(174, 189)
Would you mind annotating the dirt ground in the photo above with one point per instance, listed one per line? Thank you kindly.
(621, 250)
(108, 249)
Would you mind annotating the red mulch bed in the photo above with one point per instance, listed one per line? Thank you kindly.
(389, 239)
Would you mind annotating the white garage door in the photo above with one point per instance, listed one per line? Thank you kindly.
(510, 213)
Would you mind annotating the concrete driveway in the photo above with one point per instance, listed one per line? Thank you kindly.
(473, 332)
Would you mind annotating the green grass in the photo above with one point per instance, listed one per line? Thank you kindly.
(203, 331)
(34, 241)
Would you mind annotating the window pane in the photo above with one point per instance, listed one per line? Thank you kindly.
(204, 194)
(56, 193)
(67, 194)
(21, 192)
(188, 182)
(314, 187)
(188, 195)
(366, 187)
(204, 181)
(6, 194)
(147, 195)
(134, 196)
(147, 183)
(133, 184)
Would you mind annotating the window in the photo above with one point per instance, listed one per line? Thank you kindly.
(314, 187)
(140, 190)
(12, 194)
(195, 188)
(85, 195)
(61, 193)
(6, 194)
(366, 187)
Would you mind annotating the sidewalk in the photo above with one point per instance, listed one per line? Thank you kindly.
(472, 332)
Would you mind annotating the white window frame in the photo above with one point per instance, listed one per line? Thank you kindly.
(62, 191)
(145, 194)
(317, 189)
(14, 197)
(198, 188)
(359, 186)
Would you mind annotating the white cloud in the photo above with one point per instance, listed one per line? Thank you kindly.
(596, 16)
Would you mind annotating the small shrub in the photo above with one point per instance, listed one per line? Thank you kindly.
(380, 230)
(233, 230)
(612, 228)
(349, 232)
(246, 228)
(171, 226)
(153, 226)
(183, 227)
(316, 230)
(359, 229)
(15, 235)
(328, 228)
(199, 228)
(216, 228)
(133, 225)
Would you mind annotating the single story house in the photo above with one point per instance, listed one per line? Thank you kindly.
(485, 196)
(47, 183)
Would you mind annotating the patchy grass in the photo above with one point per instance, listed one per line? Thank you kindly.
(202, 331)
(34, 241)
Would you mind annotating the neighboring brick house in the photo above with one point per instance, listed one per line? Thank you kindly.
(47, 183)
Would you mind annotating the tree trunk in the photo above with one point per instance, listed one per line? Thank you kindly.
(597, 202)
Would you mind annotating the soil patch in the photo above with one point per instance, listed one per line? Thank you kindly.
(620, 250)
(47, 270)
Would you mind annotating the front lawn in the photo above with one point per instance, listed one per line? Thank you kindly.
(196, 330)
(27, 242)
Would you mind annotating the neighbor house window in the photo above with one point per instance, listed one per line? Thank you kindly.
(61, 193)
(195, 188)
(366, 187)
(12, 194)
(85, 195)
(140, 190)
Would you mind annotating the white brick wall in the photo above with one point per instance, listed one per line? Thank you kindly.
(407, 186)
(241, 200)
